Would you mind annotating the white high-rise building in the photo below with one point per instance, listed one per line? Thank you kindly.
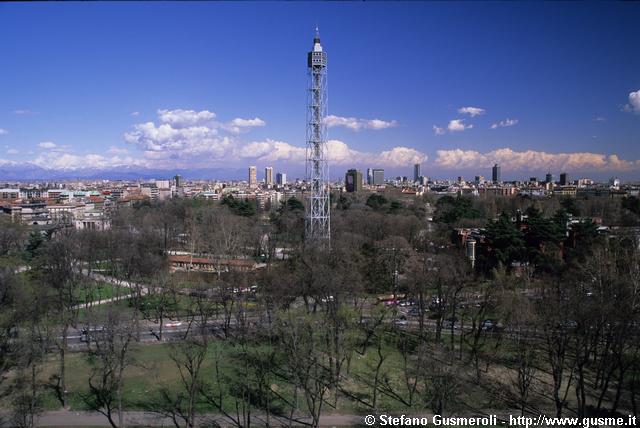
(253, 176)
(268, 176)
(163, 184)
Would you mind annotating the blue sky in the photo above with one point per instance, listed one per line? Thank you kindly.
(192, 85)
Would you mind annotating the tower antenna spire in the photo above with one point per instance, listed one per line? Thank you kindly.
(317, 227)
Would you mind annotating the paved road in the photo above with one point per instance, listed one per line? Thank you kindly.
(149, 332)
(70, 419)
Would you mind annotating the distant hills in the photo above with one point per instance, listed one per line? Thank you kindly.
(26, 171)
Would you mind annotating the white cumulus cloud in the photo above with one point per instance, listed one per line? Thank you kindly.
(472, 111)
(458, 125)
(634, 103)
(399, 156)
(532, 160)
(248, 123)
(183, 118)
(238, 125)
(191, 141)
(504, 123)
(357, 124)
(62, 161)
(47, 145)
(271, 151)
(118, 150)
(188, 138)
(438, 131)
(170, 142)
(338, 153)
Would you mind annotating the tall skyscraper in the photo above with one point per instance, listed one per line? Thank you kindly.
(177, 180)
(281, 179)
(268, 176)
(353, 180)
(377, 177)
(369, 176)
(317, 215)
(416, 172)
(548, 178)
(253, 176)
(564, 179)
(495, 173)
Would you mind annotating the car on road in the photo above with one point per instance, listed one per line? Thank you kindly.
(390, 299)
(449, 322)
(86, 333)
(488, 325)
(491, 325)
(173, 324)
(435, 305)
(401, 322)
(414, 312)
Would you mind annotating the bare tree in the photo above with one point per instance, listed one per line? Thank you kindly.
(554, 313)
(305, 363)
(160, 302)
(110, 352)
(443, 380)
(27, 388)
(519, 317)
(189, 356)
(12, 236)
(58, 268)
(9, 317)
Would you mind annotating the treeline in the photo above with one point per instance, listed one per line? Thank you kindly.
(311, 333)
(464, 211)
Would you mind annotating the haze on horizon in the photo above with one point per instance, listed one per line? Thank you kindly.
(454, 86)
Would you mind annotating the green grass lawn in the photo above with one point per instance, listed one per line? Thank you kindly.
(96, 291)
(153, 369)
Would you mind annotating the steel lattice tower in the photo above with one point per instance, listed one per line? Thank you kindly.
(317, 216)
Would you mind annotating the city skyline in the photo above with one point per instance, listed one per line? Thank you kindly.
(554, 95)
